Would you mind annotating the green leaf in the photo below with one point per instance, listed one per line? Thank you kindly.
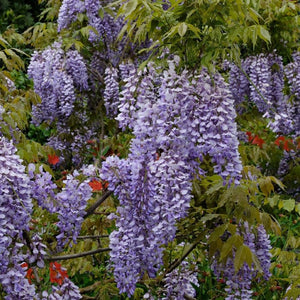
(273, 201)
(129, 7)
(264, 34)
(277, 181)
(254, 15)
(288, 205)
(182, 28)
(234, 241)
(242, 255)
(217, 233)
(266, 185)
(217, 186)
(209, 217)
(194, 29)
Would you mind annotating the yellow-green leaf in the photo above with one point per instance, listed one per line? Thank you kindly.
(182, 27)
(242, 255)
(264, 34)
(288, 205)
(217, 233)
(234, 241)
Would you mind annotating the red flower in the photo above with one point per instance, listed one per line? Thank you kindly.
(279, 140)
(258, 141)
(250, 137)
(96, 185)
(57, 273)
(288, 145)
(282, 142)
(91, 142)
(29, 275)
(53, 159)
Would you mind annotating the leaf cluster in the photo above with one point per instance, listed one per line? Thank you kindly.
(203, 32)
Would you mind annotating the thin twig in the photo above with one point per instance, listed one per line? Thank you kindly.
(177, 262)
(84, 297)
(77, 255)
(187, 297)
(82, 237)
(94, 285)
(92, 208)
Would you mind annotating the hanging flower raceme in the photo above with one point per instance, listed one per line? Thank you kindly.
(56, 76)
(72, 201)
(15, 215)
(175, 118)
(260, 79)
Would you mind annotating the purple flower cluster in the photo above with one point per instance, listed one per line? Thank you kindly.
(111, 92)
(260, 80)
(260, 87)
(214, 127)
(106, 28)
(292, 73)
(43, 189)
(15, 214)
(55, 76)
(76, 68)
(264, 87)
(68, 290)
(239, 284)
(68, 12)
(127, 99)
(178, 283)
(16, 285)
(72, 201)
(238, 81)
(175, 118)
(37, 251)
(263, 247)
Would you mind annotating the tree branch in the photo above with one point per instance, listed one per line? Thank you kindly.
(77, 255)
(94, 286)
(92, 208)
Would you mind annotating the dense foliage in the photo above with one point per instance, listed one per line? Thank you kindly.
(150, 150)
